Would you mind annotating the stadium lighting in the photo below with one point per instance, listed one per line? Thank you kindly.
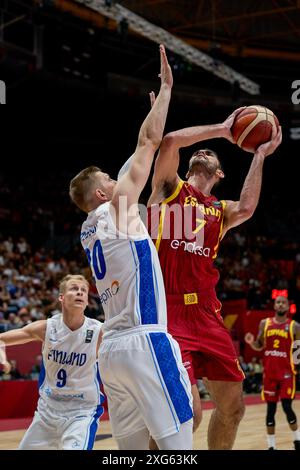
(171, 42)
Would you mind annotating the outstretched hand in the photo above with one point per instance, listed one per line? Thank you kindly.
(227, 124)
(269, 147)
(165, 75)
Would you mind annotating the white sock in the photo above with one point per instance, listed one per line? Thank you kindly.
(271, 440)
(296, 435)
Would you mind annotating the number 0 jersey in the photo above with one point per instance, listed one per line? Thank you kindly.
(278, 358)
(69, 378)
(127, 273)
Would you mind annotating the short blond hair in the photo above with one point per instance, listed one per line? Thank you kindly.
(80, 185)
(71, 277)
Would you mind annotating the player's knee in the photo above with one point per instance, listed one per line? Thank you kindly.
(232, 412)
(287, 408)
(197, 417)
(238, 410)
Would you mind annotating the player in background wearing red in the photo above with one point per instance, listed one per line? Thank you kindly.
(187, 263)
(276, 336)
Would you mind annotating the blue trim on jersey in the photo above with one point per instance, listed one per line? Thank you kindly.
(93, 427)
(99, 382)
(161, 381)
(42, 374)
(179, 358)
(171, 375)
(156, 285)
(147, 294)
(136, 282)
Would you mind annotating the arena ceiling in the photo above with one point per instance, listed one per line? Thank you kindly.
(258, 26)
(247, 28)
(241, 28)
(257, 38)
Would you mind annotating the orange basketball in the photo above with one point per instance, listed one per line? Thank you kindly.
(253, 127)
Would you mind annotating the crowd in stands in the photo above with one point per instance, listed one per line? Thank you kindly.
(251, 266)
(29, 283)
(29, 278)
(39, 244)
(43, 237)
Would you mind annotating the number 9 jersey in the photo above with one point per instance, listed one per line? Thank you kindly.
(69, 378)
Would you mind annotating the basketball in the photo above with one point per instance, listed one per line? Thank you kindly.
(253, 127)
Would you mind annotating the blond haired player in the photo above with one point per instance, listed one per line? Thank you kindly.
(143, 375)
(70, 400)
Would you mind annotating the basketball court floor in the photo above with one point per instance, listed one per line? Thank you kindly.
(251, 434)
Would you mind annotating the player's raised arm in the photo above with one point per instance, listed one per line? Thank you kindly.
(33, 332)
(133, 181)
(258, 343)
(167, 162)
(237, 212)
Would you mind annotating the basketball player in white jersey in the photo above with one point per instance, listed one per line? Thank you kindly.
(70, 400)
(141, 368)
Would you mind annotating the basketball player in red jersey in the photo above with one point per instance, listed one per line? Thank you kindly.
(187, 261)
(276, 336)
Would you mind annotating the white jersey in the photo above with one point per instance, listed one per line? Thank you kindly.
(70, 378)
(127, 273)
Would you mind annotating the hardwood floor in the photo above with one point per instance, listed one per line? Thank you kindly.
(251, 434)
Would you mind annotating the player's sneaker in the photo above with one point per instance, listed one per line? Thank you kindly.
(297, 445)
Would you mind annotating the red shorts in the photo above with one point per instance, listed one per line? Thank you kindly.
(275, 389)
(206, 346)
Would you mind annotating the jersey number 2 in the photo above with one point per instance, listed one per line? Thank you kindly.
(96, 260)
(62, 378)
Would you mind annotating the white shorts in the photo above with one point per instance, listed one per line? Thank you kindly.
(145, 382)
(54, 430)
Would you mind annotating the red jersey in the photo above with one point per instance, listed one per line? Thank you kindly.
(278, 359)
(186, 229)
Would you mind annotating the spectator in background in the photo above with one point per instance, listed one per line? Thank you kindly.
(36, 368)
(13, 321)
(14, 373)
(24, 317)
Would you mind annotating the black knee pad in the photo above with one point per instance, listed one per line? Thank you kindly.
(271, 410)
(287, 408)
